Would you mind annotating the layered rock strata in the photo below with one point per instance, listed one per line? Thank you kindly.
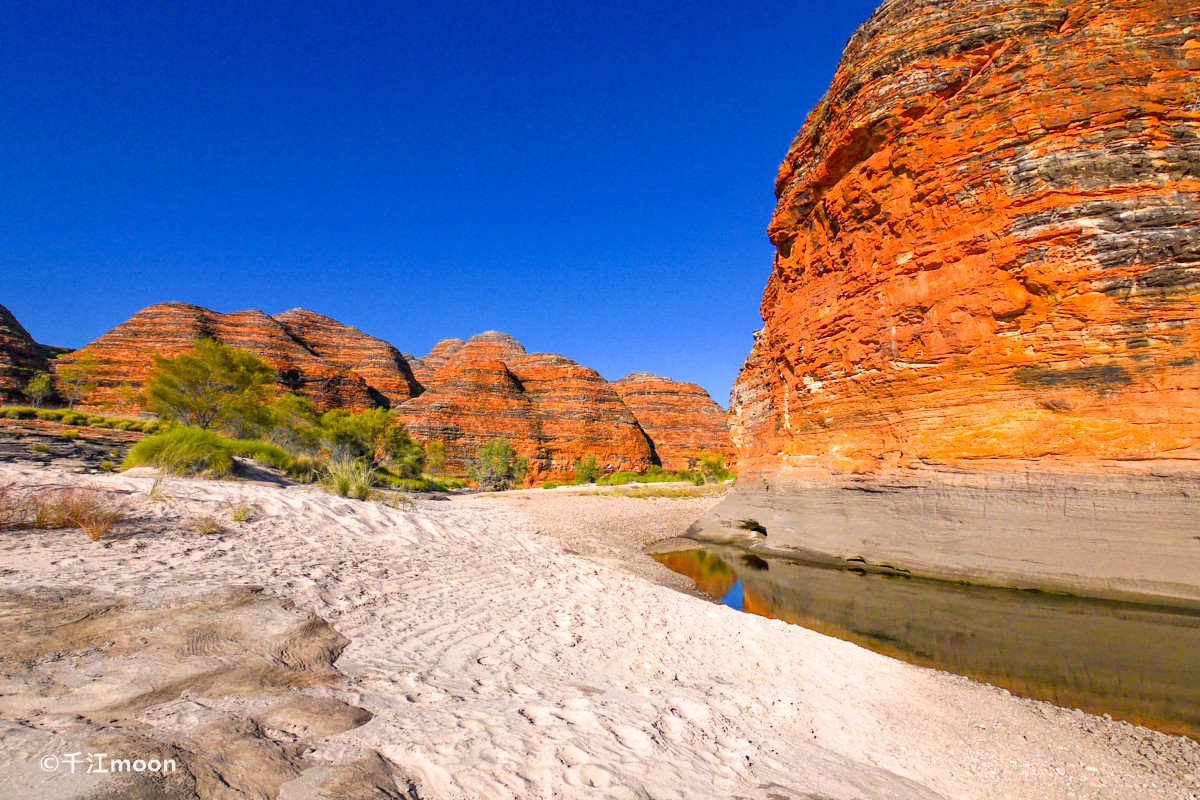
(988, 245)
(462, 394)
(379, 364)
(20, 358)
(581, 415)
(987, 265)
(681, 419)
(124, 354)
(553, 410)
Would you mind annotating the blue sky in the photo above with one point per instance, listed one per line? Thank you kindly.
(595, 179)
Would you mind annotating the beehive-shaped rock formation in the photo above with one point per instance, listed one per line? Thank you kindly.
(124, 354)
(581, 415)
(379, 364)
(681, 419)
(20, 358)
(552, 410)
(988, 245)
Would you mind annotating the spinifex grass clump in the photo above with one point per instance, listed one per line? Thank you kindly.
(351, 478)
(93, 512)
(183, 451)
(191, 451)
(68, 417)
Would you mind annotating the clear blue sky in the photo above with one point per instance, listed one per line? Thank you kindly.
(594, 178)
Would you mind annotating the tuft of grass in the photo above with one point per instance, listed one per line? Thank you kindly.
(677, 491)
(243, 513)
(159, 487)
(262, 452)
(70, 436)
(183, 451)
(553, 484)
(40, 448)
(92, 512)
(351, 478)
(426, 483)
(69, 417)
(107, 466)
(307, 469)
(206, 525)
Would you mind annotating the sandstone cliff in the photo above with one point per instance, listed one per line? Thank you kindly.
(124, 354)
(581, 415)
(680, 419)
(988, 246)
(20, 358)
(462, 394)
(379, 364)
(552, 409)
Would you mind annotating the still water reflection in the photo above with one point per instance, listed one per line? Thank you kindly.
(1137, 662)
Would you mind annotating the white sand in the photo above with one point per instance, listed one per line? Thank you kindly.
(498, 666)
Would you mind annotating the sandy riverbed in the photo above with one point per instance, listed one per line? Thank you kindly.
(481, 659)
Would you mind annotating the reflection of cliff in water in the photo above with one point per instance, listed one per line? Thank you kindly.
(1134, 661)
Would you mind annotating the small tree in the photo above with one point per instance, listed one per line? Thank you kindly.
(586, 470)
(127, 398)
(213, 386)
(294, 425)
(712, 466)
(40, 388)
(374, 435)
(497, 466)
(435, 457)
(74, 377)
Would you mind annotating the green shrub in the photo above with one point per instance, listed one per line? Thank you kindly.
(497, 466)
(183, 451)
(262, 452)
(586, 470)
(70, 435)
(712, 467)
(376, 435)
(351, 478)
(620, 479)
(435, 457)
(40, 388)
(214, 386)
(306, 468)
(553, 484)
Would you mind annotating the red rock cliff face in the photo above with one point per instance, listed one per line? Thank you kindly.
(581, 415)
(124, 354)
(988, 245)
(379, 364)
(680, 419)
(20, 358)
(552, 410)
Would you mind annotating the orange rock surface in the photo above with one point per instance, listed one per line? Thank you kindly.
(680, 419)
(20, 358)
(124, 354)
(552, 410)
(462, 394)
(580, 415)
(988, 245)
(379, 364)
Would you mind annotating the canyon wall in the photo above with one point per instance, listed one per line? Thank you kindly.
(987, 246)
(680, 419)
